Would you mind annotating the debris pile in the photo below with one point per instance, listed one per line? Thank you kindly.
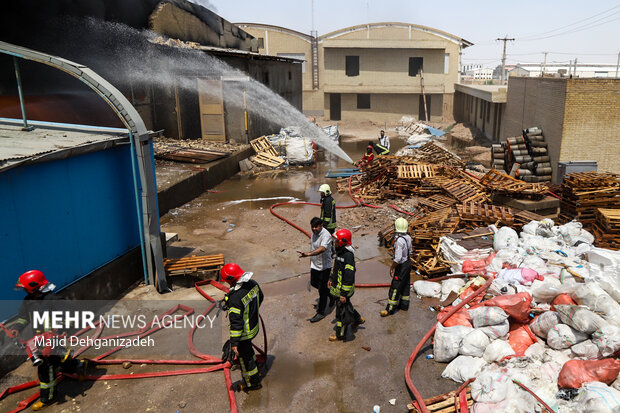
(549, 322)
(291, 145)
(265, 153)
(526, 156)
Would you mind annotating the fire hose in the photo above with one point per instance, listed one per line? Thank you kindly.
(215, 363)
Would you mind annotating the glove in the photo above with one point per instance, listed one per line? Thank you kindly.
(227, 352)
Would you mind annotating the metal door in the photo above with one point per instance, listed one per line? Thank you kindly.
(211, 105)
(334, 106)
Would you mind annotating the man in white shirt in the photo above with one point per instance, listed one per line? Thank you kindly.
(320, 265)
(398, 296)
(383, 147)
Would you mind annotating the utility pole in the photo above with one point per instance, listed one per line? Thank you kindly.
(575, 69)
(570, 67)
(505, 39)
(618, 64)
(312, 29)
(544, 65)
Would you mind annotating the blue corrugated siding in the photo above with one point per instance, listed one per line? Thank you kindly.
(66, 217)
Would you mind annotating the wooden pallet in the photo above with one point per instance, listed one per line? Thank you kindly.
(267, 159)
(415, 171)
(505, 184)
(444, 403)
(190, 265)
(262, 144)
(485, 213)
(436, 202)
(608, 219)
(464, 191)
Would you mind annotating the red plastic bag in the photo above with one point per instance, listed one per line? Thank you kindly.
(520, 338)
(516, 306)
(576, 372)
(460, 318)
(478, 266)
(562, 299)
(469, 291)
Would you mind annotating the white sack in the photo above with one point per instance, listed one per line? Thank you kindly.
(492, 387)
(463, 368)
(447, 341)
(562, 336)
(597, 397)
(427, 288)
(496, 331)
(505, 237)
(474, 344)
(607, 339)
(593, 296)
(586, 350)
(497, 350)
(487, 316)
(449, 285)
(579, 318)
(544, 322)
(501, 287)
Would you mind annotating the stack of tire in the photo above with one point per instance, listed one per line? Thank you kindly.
(498, 157)
(540, 165)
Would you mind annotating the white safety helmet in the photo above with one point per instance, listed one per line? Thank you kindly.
(401, 225)
(325, 189)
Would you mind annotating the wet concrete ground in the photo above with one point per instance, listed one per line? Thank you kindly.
(307, 372)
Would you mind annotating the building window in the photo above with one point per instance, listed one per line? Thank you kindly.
(415, 65)
(363, 101)
(352, 66)
(446, 63)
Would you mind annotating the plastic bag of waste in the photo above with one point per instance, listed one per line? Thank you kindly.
(505, 237)
(586, 350)
(616, 384)
(447, 341)
(530, 228)
(562, 299)
(580, 318)
(536, 350)
(546, 291)
(507, 257)
(544, 322)
(523, 276)
(576, 372)
(497, 350)
(474, 343)
(520, 338)
(535, 263)
(501, 287)
(607, 339)
(449, 285)
(492, 387)
(427, 288)
(460, 318)
(562, 336)
(487, 316)
(593, 296)
(463, 368)
(496, 331)
(516, 306)
(597, 397)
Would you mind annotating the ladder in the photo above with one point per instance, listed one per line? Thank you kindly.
(315, 60)
(426, 114)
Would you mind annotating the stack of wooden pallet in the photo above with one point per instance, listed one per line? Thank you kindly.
(265, 153)
(606, 228)
(445, 403)
(500, 183)
(584, 192)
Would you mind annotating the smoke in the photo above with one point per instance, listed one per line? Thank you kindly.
(206, 4)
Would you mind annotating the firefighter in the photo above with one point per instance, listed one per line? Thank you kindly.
(328, 209)
(367, 158)
(58, 359)
(341, 285)
(398, 295)
(242, 302)
(383, 147)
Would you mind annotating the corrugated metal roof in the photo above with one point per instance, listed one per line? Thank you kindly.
(18, 146)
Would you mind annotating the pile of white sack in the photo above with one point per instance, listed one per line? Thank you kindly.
(292, 146)
(554, 301)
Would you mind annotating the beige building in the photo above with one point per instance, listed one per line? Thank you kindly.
(375, 71)
(481, 106)
(579, 117)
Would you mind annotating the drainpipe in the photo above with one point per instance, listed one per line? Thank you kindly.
(137, 193)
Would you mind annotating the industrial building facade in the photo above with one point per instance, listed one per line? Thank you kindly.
(482, 106)
(377, 71)
(579, 117)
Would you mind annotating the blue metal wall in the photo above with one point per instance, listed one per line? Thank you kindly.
(66, 217)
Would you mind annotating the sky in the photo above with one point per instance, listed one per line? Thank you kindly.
(565, 29)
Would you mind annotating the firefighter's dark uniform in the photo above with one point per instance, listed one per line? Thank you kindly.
(243, 304)
(328, 213)
(59, 360)
(342, 278)
(398, 296)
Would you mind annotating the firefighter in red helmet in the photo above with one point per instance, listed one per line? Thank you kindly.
(243, 301)
(51, 360)
(341, 285)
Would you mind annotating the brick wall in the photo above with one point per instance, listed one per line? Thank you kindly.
(592, 122)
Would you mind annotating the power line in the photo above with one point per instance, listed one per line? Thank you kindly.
(576, 29)
(571, 24)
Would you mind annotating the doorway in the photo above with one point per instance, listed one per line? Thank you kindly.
(334, 106)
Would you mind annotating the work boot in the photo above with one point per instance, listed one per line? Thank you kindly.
(384, 313)
(359, 322)
(334, 337)
(82, 367)
(317, 317)
(245, 388)
(39, 405)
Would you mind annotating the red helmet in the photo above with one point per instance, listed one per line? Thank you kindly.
(343, 237)
(231, 273)
(32, 281)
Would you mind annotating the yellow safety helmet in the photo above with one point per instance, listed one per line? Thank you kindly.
(325, 189)
(401, 225)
